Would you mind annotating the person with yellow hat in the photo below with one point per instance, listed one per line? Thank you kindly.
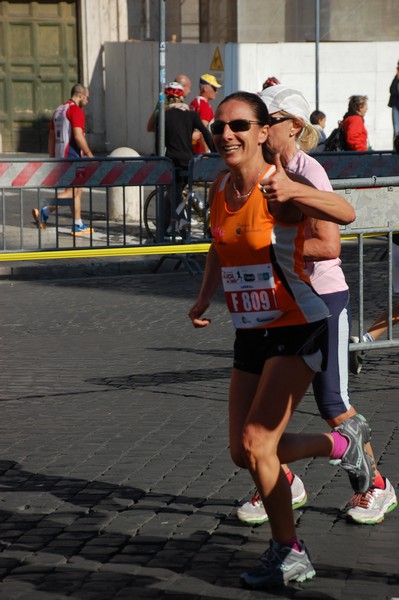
(201, 104)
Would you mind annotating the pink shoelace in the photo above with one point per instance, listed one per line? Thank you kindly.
(362, 500)
(256, 499)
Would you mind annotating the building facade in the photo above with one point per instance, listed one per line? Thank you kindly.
(46, 46)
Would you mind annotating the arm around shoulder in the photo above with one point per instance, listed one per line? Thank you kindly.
(328, 206)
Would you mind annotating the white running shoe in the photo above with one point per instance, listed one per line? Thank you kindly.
(278, 566)
(355, 358)
(371, 507)
(254, 513)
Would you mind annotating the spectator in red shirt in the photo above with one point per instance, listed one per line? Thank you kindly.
(67, 139)
(353, 124)
(201, 104)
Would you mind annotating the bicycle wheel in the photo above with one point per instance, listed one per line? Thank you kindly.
(200, 213)
(150, 214)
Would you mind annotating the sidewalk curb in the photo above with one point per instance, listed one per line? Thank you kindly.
(104, 267)
(74, 268)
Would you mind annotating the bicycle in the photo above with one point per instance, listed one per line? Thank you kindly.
(196, 212)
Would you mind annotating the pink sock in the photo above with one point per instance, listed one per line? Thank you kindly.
(379, 482)
(290, 476)
(293, 543)
(340, 444)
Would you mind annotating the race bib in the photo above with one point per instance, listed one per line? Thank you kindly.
(250, 295)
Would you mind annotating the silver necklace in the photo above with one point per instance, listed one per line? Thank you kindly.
(240, 196)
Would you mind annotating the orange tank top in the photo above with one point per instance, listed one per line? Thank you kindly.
(263, 270)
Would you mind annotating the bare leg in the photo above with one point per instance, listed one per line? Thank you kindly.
(76, 207)
(344, 417)
(263, 438)
(295, 447)
(380, 325)
(243, 388)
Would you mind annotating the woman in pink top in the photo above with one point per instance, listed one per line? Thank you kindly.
(291, 135)
(257, 253)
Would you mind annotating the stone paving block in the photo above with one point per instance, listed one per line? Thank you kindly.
(40, 595)
(132, 592)
(29, 577)
(96, 594)
(63, 547)
(119, 567)
(147, 546)
(132, 559)
(13, 590)
(46, 559)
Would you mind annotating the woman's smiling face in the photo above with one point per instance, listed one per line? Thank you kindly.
(235, 147)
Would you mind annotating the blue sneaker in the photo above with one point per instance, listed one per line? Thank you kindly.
(40, 218)
(81, 229)
(279, 565)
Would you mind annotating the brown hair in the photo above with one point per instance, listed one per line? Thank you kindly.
(356, 102)
(259, 108)
(78, 88)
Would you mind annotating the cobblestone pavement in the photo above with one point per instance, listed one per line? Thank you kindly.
(115, 475)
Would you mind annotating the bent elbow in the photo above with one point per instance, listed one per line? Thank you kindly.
(351, 215)
(347, 216)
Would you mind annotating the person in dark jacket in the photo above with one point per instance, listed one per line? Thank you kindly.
(180, 123)
(356, 137)
(394, 102)
(318, 120)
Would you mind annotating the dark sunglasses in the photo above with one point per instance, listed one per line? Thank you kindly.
(237, 125)
(275, 120)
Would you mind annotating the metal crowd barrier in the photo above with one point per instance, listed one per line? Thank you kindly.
(106, 182)
(370, 182)
(25, 184)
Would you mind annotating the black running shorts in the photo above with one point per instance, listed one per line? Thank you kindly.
(252, 347)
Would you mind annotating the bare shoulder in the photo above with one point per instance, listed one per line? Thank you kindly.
(214, 186)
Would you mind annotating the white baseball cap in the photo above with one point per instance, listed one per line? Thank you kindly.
(282, 98)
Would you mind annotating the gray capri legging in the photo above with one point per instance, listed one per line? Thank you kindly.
(330, 387)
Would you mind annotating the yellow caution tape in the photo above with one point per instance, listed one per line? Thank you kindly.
(118, 252)
(104, 252)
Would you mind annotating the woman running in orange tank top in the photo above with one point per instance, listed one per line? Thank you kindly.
(258, 217)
